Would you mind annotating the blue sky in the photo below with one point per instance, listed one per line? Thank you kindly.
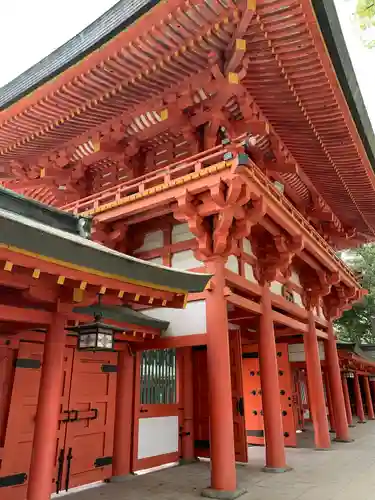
(30, 30)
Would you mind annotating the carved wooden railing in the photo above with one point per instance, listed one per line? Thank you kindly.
(107, 199)
(159, 179)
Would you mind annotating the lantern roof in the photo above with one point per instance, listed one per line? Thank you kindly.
(121, 314)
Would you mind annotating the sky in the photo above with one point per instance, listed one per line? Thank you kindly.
(31, 29)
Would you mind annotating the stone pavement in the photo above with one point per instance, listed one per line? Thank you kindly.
(343, 473)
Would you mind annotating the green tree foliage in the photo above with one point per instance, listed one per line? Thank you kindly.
(358, 324)
(365, 14)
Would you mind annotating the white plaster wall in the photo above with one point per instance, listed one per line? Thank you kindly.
(188, 321)
(152, 240)
(156, 260)
(276, 287)
(298, 299)
(185, 260)
(295, 278)
(232, 264)
(157, 436)
(297, 352)
(181, 232)
(249, 272)
(246, 246)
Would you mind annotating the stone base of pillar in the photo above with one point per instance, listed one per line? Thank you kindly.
(276, 470)
(362, 422)
(368, 418)
(222, 494)
(187, 461)
(121, 479)
(351, 426)
(323, 449)
(339, 440)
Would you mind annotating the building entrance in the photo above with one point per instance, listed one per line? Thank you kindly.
(85, 429)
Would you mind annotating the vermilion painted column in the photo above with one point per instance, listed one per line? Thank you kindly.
(223, 469)
(329, 403)
(315, 385)
(47, 413)
(335, 384)
(369, 403)
(123, 416)
(348, 406)
(269, 379)
(358, 400)
(188, 454)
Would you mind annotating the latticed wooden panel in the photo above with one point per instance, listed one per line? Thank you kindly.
(158, 377)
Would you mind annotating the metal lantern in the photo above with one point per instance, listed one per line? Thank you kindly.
(349, 374)
(96, 336)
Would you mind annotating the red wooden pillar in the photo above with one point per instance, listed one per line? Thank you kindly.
(123, 416)
(335, 385)
(358, 400)
(315, 385)
(329, 403)
(269, 379)
(223, 467)
(348, 406)
(47, 413)
(188, 454)
(369, 403)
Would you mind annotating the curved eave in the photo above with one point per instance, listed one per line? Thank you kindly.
(102, 30)
(27, 237)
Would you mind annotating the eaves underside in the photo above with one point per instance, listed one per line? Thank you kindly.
(125, 13)
(118, 18)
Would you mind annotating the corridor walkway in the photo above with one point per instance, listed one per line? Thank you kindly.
(344, 473)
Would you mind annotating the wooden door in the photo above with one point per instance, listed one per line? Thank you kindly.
(88, 444)
(253, 396)
(201, 415)
(239, 427)
(201, 408)
(157, 412)
(22, 376)
(298, 409)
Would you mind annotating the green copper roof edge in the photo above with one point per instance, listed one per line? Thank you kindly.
(45, 214)
(55, 245)
(20, 87)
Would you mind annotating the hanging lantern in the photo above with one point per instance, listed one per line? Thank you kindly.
(96, 336)
(349, 374)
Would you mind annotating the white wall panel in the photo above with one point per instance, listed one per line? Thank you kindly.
(246, 246)
(295, 278)
(157, 436)
(181, 232)
(297, 352)
(185, 260)
(156, 260)
(188, 321)
(249, 272)
(232, 264)
(276, 287)
(298, 299)
(152, 240)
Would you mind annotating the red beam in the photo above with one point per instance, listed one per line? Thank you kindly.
(169, 342)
